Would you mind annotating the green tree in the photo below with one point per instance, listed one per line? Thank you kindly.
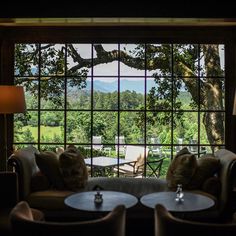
(27, 136)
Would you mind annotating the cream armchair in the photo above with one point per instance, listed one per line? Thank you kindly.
(139, 155)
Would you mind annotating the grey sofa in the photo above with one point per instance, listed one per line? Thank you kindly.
(51, 201)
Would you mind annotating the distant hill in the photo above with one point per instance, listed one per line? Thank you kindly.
(106, 87)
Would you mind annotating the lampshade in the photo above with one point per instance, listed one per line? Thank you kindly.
(12, 99)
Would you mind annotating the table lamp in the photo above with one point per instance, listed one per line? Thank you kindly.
(12, 100)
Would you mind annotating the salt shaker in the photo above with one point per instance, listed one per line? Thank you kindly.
(179, 193)
(98, 198)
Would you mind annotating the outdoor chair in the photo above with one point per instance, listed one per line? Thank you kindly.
(156, 150)
(193, 146)
(120, 147)
(97, 143)
(180, 144)
(138, 154)
(27, 221)
(167, 224)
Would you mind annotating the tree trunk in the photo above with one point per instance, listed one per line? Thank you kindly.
(212, 97)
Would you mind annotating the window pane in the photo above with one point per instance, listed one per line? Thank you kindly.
(52, 92)
(132, 127)
(105, 94)
(212, 94)
(105, 125)
(52, 126)
(110, 55)
(185, 58)
(158, 60)
(52, 59)
(26, 127)
(212, 60)
(132, 59)
(132, 93)
(187, 97)
(78, 127)
(79, 61)
(26, 60)
(159, 127)
(186, 127)
(31, 91)
(160, 95)
(212, 123)
(78, 97)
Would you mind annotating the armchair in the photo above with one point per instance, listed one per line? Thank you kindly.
(167, 224)
(28, 221)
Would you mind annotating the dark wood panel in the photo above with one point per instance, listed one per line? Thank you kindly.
(132, 34)
(101, 8)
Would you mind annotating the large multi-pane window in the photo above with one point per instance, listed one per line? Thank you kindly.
(160, 96)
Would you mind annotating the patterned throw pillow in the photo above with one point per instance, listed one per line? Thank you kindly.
(48, 164)
(181, 169)
(73, 169)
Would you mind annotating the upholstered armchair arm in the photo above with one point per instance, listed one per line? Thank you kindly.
(227, 178)
(23, 163)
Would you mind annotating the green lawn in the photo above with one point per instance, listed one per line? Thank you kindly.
(48, 131)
